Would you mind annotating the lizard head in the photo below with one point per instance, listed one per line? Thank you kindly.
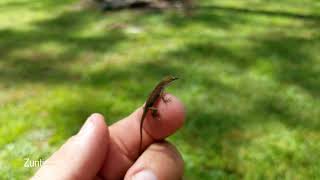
(169, 79)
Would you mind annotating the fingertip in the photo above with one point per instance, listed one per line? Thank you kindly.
(96, 123)
(100, 122)
(172, 117)
(160, 160)
(97, 116)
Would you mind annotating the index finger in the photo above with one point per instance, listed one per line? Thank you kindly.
(125, 135)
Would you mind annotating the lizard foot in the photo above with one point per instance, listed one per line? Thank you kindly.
(165, 100)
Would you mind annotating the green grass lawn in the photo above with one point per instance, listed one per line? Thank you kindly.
(250, 81)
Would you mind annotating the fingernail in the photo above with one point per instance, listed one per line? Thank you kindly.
(88, 126)
(145, 175)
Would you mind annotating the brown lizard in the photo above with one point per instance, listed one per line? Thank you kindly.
(158, 92)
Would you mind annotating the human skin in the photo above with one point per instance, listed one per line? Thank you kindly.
(101, 152)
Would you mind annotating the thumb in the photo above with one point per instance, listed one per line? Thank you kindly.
(81, 156)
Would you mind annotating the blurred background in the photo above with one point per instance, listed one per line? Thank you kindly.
(249, 74)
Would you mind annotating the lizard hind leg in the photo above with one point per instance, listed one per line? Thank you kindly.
(154, 112)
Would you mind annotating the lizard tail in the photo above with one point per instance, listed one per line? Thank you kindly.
(141, 126)
(140, 145)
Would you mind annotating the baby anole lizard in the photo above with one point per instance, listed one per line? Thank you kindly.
(158, 92)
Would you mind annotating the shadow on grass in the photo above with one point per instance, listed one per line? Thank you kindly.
(294, 60)
(235, 10)
(213, 19)
(21, 66)
(35, 5)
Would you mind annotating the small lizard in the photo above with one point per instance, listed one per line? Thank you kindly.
(158, 92)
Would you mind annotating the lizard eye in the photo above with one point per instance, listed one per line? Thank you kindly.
(172, 78)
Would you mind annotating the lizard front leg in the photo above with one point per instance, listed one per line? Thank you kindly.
(165, 100)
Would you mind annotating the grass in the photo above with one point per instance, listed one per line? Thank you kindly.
(250, 81)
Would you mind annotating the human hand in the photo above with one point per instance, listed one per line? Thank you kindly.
(101, 152)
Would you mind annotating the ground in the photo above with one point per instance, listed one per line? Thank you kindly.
(249, 80)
